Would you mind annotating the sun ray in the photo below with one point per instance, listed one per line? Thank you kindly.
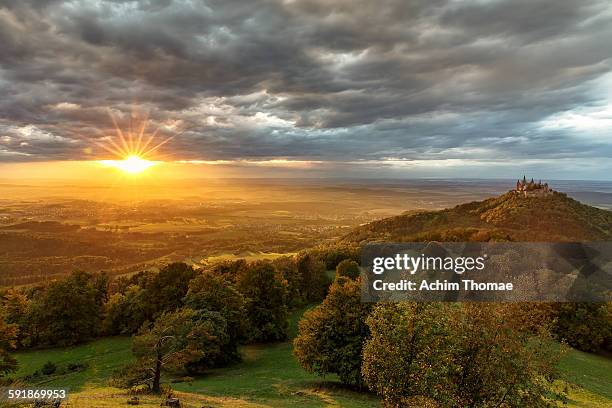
(148, 142)
(132, 145)
(153, 149)
(143, 127)
(131, 133)
(110, 149)
(165, 141)
(122, 151)
(120, 134)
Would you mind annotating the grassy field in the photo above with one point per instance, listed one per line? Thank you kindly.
(589, 379)
(102, 357)
(269, 376)
(248, 256)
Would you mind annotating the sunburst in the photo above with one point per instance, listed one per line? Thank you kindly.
(134, 148)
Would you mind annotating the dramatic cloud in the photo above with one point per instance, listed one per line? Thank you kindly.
(393, 82)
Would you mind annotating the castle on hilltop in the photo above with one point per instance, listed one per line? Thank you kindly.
(531, 188)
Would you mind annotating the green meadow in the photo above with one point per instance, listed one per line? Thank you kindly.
(268, 376)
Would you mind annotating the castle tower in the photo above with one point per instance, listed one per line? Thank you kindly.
(531, 188)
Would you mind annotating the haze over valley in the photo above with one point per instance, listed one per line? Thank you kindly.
(51, 229)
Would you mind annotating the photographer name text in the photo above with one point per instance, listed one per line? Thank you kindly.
(424, 264)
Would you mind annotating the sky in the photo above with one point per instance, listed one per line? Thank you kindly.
(362, 88)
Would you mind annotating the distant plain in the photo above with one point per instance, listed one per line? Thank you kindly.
(49, 229)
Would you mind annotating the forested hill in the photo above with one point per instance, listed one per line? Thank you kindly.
(509, 217)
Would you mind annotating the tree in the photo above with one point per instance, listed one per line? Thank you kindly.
(172, 343)
(287, 268)
(265, 291)
(146, 296)
(168, 287)
(348, 268)
(8, 340)
(331, 336)
(68, 311)
(314, 281)
(468, 355)
(125, 313)
(213, 293)
(585, 326)
(498, 363)
(16, 305)
(404, 357)
(229, 268)
(333, 254)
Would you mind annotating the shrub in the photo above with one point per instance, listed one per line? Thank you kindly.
(76, 366)
(49, 368)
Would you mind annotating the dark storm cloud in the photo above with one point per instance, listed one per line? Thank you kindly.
(309, 79)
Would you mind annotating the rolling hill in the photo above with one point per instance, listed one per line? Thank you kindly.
(509, 217)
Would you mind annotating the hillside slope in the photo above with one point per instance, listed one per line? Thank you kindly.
(509, 217)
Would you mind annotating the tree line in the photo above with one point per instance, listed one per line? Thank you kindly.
(186, 321)
(182, 320)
